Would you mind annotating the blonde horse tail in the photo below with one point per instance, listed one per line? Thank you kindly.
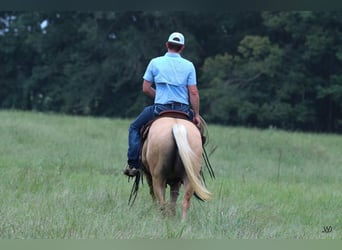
(189, 159)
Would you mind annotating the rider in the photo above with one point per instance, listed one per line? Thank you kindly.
(175, 89)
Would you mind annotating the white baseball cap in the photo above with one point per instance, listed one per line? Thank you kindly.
(176, 38)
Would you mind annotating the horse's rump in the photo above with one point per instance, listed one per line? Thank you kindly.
(161, 146)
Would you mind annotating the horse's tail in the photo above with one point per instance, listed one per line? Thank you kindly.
(189, 158)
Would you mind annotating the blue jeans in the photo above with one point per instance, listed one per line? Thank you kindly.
(149, 113)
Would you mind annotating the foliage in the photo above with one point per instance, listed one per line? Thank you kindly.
(278, 79)
(257, 69)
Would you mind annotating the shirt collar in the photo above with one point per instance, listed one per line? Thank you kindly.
(172, 54)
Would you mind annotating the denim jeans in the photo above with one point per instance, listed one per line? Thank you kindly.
(149, 112)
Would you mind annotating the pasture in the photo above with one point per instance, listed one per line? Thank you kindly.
(61, 178)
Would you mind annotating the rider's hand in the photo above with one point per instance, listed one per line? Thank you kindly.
(197, 120)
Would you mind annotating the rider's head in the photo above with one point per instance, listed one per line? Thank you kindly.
(175, 42)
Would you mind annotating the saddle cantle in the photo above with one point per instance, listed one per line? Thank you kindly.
(174, 114)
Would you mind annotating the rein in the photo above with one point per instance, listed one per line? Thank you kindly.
(135, 188)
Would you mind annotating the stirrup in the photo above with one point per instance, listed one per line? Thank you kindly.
(130, 171)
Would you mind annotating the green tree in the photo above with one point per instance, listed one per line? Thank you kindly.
(254, 68)
(311, 42)
(239, 85)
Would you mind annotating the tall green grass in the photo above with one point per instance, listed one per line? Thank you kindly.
(61, 178)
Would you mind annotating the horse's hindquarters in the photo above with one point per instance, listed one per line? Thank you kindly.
(168, 162)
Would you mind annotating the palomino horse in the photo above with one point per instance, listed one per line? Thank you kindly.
(172, 155)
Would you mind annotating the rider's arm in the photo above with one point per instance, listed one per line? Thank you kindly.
(148, 89)
(195, 102)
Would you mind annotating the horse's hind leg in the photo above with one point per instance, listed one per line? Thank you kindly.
(159, 186)
(188, 192)
(150, 184)
(174, 193)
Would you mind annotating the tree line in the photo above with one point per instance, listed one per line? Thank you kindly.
(254, 68)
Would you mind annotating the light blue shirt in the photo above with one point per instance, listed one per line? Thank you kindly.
(172, 74)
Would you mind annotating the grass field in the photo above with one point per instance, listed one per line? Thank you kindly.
(61, 178)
